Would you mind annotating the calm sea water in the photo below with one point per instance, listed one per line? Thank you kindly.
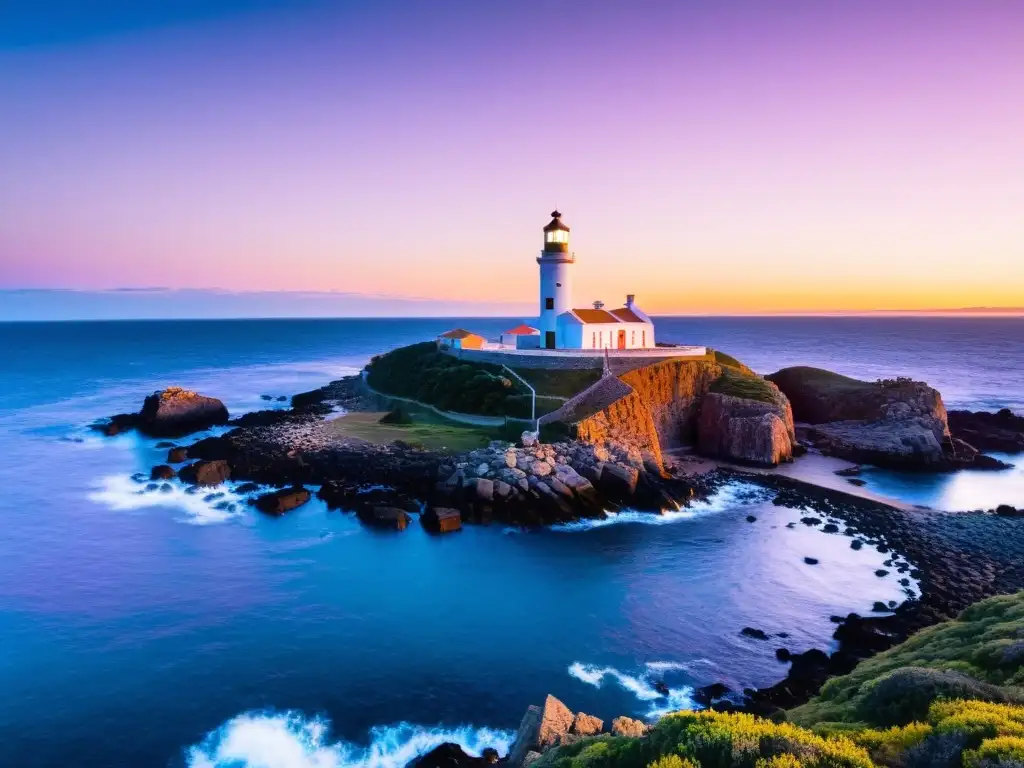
(153, 629)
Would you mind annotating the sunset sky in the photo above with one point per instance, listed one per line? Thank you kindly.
(709, 156)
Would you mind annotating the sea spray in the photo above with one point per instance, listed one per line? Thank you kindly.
(123, 493)
(292, 740)
(730, 496)
(657, 704)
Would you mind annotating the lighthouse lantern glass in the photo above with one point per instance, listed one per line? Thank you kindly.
(558, 236)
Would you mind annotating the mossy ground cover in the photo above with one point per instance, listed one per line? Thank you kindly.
(738, 384)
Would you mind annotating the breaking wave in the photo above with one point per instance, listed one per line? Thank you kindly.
(729, 496)
(201, 506)
(657, 704)
(291, 740)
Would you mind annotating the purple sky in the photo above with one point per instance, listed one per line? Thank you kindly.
(709, 156)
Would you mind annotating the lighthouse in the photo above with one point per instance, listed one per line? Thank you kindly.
(555, 280)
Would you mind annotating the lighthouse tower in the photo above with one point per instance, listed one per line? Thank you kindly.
(555, 280)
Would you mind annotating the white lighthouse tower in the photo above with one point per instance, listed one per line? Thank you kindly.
(555, 280)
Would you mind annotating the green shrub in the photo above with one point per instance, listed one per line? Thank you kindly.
(905, 695)
(886, 747)
(422, 373)
(1001, 752)
(980, 643)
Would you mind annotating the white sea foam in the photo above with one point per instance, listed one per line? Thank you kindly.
(641, 686)
(730, 496)
(122, 493)
(291, 740)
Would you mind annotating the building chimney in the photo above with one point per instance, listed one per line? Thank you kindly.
(598, 305)
(630, 298)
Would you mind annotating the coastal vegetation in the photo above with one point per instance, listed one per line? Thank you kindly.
(420, 372)
(948, 696)
(383, 428)
(980, 654)
(749, 386)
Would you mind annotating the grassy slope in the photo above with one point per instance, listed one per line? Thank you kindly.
(434, 435)
(738, 384)
(985, 641)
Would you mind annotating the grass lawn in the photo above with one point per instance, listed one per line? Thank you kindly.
(434, 435)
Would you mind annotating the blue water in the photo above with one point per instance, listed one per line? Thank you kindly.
(154, 629)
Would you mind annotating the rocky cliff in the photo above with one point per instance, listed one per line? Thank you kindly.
(672, 403)
(745, 430)
(898, 423)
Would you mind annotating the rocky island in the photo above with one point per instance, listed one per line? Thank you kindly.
(424, 435)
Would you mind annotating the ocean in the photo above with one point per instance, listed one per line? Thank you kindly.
(154, 629)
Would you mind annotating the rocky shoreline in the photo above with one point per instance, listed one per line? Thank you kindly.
(956, 559)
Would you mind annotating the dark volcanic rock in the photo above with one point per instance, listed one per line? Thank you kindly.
(206, 472)
(618, 480)
(174, 412)
(757, 634)
(162, 472)
(279, 502)
(449, 755)
(121, 422)
(1002, 431)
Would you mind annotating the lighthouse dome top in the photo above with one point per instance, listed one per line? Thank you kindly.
(556, 223)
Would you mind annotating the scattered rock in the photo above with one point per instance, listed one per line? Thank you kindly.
(627, 726)
(278, 502)
(757, 634)
(751, 519)
(212, 472)
(390, 518)
(177, 455)
(811, 560)
(586, 725)
(162, 472)
(441, 520)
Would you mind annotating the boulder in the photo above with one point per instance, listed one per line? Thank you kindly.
(451, 755)
(162, 472)
(541, 728)
(278, 502)
(586, 725)
(555, 721)
(618, 480)
(174, 412)
(177, 455)
(441, 520)
(627, 726)
(212, 472)
(744, 430)
(484, 489)
(1002, 431)
(390, 518)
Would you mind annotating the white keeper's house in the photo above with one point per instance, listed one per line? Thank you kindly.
(563, 325)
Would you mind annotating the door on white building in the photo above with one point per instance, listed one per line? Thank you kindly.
(622, 340)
